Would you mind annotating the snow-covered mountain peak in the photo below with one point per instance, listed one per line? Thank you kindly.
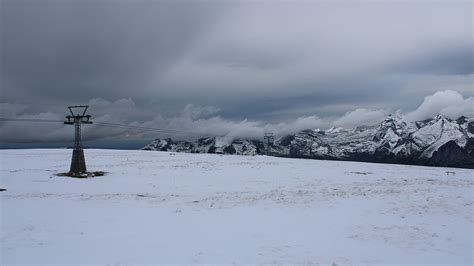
(395, 116)
(435, 141)
(440, 117)
(334, 130)
(395, 121)
(391, 129)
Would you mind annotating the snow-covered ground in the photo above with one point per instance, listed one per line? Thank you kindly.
(157, 207)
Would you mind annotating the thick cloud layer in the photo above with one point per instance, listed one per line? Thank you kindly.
(360, 117)
(276, 66)
(448, 103)
(198, 121)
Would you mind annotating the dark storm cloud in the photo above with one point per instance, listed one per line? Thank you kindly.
(331, 53)
(304, 64)
(87, 49)
(451, 61)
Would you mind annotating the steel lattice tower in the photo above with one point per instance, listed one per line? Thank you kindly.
(78, 162)
(269, 139)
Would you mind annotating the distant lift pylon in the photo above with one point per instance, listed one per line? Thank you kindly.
(269, 138)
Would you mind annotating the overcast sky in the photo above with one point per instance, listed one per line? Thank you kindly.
(233, 68)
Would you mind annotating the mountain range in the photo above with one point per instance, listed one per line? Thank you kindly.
(434, 142)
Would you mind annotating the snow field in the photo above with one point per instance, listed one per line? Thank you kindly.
(160, 207)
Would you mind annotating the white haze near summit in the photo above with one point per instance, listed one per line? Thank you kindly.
(448, 103)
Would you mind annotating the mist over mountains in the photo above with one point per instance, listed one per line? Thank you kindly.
(438, 141)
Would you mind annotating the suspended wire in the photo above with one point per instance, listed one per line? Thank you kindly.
(31, 103)
(2, 119)
(142, 130)
(139, 129)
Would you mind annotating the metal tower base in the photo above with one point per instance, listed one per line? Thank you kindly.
(78, 162)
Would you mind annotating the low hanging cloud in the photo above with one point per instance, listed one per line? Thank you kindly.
(195, 121)
(191, 122)
(448, 103)
(360, 117)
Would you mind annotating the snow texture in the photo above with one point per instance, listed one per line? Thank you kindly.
(162, 207)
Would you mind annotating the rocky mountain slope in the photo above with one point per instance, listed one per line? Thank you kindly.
(437, 142)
